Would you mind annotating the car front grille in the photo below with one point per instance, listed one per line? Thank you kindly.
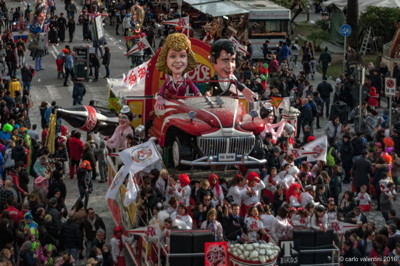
(214, 146)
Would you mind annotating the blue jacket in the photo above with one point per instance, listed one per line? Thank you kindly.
(69, 62)
(284, 53)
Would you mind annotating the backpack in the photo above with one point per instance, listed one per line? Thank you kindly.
(88, 181)
(330, 160)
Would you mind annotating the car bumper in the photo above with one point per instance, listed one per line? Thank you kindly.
(213, 160)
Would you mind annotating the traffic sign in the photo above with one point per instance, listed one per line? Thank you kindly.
(345, 30)
(390, 86)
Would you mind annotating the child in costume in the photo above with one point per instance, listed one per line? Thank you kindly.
(176, 59)
(364, 199)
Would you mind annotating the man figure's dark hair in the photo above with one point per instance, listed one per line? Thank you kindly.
(218, 46)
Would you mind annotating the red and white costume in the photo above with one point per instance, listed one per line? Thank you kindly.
(316, 222)
(364, 201)
(252, 195)
(183, 218)
(253, 223)
(184, 189)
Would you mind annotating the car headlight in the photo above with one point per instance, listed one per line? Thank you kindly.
(140, 132)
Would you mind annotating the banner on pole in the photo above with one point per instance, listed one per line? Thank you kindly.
(136, 76)
(117, 182)
(139, 157)
(139, 46)
(239, 47)
(180, 22)
(314, 151)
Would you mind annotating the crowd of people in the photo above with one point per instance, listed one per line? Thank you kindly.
(285, 194)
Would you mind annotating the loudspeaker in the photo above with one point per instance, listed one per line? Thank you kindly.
(322, 258)
(304, 238)
(324, 239)
(181, 242)
(198, 240)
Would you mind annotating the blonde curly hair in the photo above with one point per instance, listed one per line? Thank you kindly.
(176, 42)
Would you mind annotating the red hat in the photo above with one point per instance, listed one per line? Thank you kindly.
(387, 158)
(252, 176)
(310, 138)
(86, 164)
(388, 142)
(184, 180)
(212, 176)
(117, 229)
(63, 130)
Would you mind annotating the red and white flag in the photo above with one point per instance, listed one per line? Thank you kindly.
(181, 22)
(139, 46)
(239, 47)
(314, 151)
(136, 76)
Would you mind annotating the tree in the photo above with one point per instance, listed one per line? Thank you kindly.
(296, 6)
(352, 20)
(382, 20)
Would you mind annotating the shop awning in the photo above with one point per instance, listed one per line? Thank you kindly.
(219, 9)
(198, 2)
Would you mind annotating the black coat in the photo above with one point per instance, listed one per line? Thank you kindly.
(233, 227)
(79, 91)
(106, 58)
(89, 232)
(324, 89)
(18, 153)
(357, 145)
(71, 235)
(362, 168)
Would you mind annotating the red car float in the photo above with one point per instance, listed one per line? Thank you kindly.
(203, 131)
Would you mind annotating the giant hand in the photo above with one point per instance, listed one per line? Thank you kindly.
(249, 95)
(160, 103)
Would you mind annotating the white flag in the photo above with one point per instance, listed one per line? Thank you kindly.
(139, 157)
(117, 182)
(239, 47)
(136, 76)
(315, 150)
(139, 46)
(132, 192)
(181, 22)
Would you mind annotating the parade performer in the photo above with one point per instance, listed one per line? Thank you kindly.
(223, 59)
(264, 73)
(268, 115)
(216, 189)
(184, 189)
(319, 220)
(175, 60)
(254, 225)
(293, 194)
(124, 128)
(253, 192)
